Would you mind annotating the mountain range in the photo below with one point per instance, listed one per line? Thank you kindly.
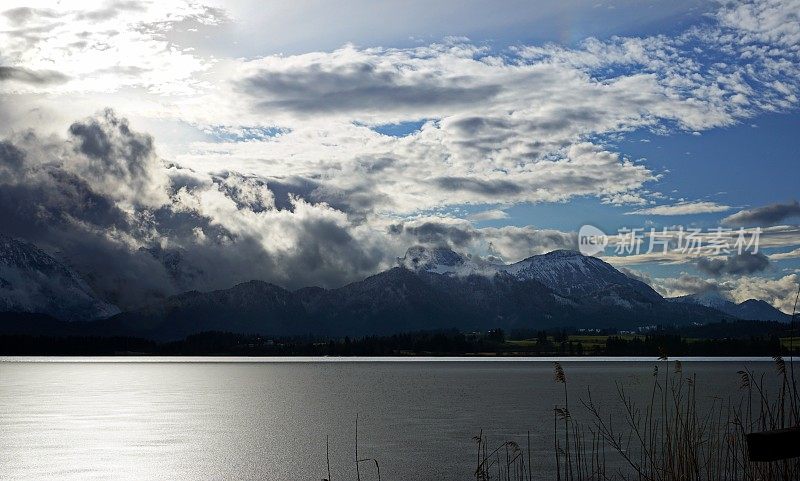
(751, 309)
(430, 288)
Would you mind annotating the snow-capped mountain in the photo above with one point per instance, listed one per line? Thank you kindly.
(568, 273)
(751, 309)
(572, 274)
(33, 281)
(429, 289)
(441, 260)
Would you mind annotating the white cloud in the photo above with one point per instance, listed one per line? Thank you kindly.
(793, 254)
(682, 208)
(766, 21)
(119, 45)
(778, 292)
(492, 214)
(510, 127)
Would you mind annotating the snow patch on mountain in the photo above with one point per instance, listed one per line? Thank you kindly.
(441, 260)
(568, 273)
(33, 281)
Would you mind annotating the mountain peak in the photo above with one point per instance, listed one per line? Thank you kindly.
(571, 273)
(431, 258)
(562, 253)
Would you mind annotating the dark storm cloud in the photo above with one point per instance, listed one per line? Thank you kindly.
(525, 241)
(476, 186)
(512, 242)
(744, 263)
(285, 189)
(356, 86)
(47, 198)
(439, 234)
(766, 216)
(32, 77)
(118, 161)
(136, 229)
(356, 201)
(10, 156)
(95, 141)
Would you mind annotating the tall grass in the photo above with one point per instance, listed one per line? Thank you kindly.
(671, 437)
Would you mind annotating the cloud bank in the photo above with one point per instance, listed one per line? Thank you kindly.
(289, 174)
(769, 215)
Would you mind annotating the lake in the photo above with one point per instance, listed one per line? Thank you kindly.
(267, 419)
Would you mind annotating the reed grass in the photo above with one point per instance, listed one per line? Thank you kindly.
(671, 437)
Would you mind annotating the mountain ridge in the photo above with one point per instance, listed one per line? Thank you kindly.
(430, 288)
(750, 309)
(33, 281)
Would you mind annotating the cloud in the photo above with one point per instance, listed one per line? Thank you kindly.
(117, 161)
(682, 285)
(309, 193)
(40, 77)
(744, 263)
(111, 11)
(638, 275)
(778, 292)
(768, 215)
(511, 243)
(682, 208)
(122, 44)
(491, 214)
(793, 254)
(764, 21)
(21, 15)
(499, 188)
(710, 242)
(138, 228)
(513, 126)
(350, 80)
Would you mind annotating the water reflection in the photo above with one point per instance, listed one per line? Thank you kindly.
(196, 421)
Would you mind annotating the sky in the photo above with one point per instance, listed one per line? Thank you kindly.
(163, 146)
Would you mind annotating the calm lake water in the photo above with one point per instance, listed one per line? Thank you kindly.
(248, 419)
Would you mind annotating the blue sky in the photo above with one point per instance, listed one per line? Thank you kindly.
(320, 143)
(729, 165)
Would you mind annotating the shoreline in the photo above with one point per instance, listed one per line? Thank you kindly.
(368, 359)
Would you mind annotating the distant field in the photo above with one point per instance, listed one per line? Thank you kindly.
(789, 342)
(587, 340)
(590, 341)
